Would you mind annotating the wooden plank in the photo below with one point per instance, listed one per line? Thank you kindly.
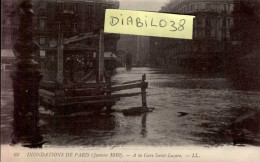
(89, 102)
(128, 86)
(48, 85)
(87, 76)
(101, 57)
(60, 60)
(83, 85)
(81, 92)
(129, 82)
(46, 96)
(86, 98)
(47, 101)
(81, 98)
(126, 94)
(46, 92)
(80, 37)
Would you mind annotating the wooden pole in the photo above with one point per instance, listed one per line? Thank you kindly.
(109, 93)
(60, 60)
(26, 80)
(101, 57)
(143, 87)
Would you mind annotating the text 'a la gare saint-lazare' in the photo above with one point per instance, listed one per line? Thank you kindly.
(139, 22)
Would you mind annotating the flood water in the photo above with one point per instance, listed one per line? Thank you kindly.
(214, 113)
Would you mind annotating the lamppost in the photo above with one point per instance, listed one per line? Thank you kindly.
(68, 17)
(26, 78)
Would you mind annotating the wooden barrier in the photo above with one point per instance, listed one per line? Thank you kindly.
(90, 93)
(133, 81)
(143, 88)
(127, 86)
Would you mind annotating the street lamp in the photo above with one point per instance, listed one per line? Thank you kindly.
(26, 78)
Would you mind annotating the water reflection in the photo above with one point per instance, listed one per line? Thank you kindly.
(79, 129)
(217, 114)
(231, 125)
(143, 130)
(26, 132)
(246, 126)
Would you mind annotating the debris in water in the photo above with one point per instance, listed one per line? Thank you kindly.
(182, 114)
(137, 110)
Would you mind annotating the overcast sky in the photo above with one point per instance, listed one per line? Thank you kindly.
(148, 5)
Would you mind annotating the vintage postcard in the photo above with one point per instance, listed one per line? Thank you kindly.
(130, 80)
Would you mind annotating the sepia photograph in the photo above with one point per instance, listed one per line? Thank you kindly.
(149, 78)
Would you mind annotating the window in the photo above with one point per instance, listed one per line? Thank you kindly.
(192, 7)
(199, 22)
(89, 25)
(59, 24)
(201, 33)
(207, 22)
(75, 7)
(59, 6)
(224, 34)
(42, 24)
(7, 40)
(229, 22)
(196, 7)
(208, 6)
(42, 53)
(231, 7)
(213, 22)
(228, 34)
(224, 22)
(195, 34)
(42, 40)
(186, 9)
(8, 21)
(75, 24)
(225, 7)
(213, 33)
(208, 34)
(104, 9)
(90, 9)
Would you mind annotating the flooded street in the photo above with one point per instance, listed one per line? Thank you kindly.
(189, 110)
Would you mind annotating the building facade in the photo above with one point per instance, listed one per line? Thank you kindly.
(55, 17)
(211, 34)
(244, 56)
(9, 27)
(9, 23)
(71, 17)
(246, 29)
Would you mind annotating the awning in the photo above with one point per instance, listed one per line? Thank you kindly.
(7, 53)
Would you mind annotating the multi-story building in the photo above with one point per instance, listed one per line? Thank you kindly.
(210, 36)
(246, 29)
(244, 56)
(9, 26)
(53, 17)
(71, 17)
